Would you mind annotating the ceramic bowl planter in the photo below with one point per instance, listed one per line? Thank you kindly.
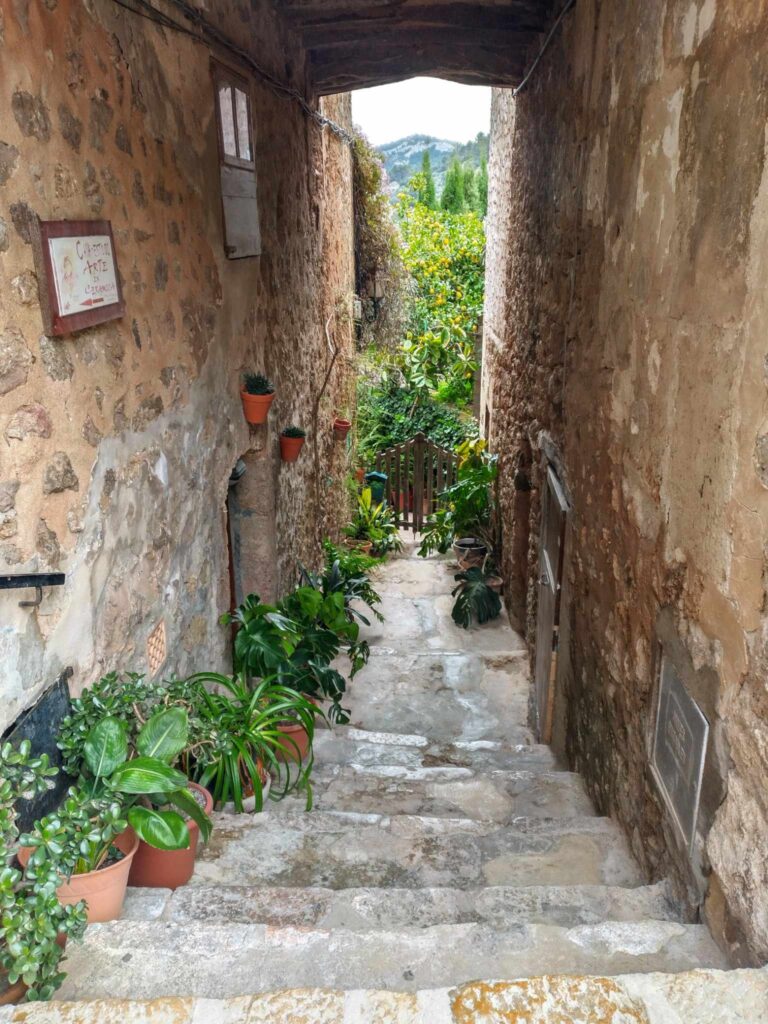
(257, 395)
(469, 551)
(104, 889)
(291, 443)
(168, 869)
(341, 428)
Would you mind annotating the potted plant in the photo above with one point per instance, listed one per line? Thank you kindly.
(255, 746)
(341, 427)
(373, 528)
(291, 442)
(257, 394)
(34, 925)
(475, 598)
(88, 844)
(130, 754)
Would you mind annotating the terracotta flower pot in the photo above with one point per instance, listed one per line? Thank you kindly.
(168, 869)
(341, 428)
(495, 583)
(363, 546)
(103, 890)
(360, 475)
(10, 994)
(290, 448)
(296, 739)
(256, 407)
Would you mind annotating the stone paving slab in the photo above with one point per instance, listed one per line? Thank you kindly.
(342, 850)
(447, 791)
(147, 960)
(695, 997)
(348, 745)
(367, 909)
(445, 696)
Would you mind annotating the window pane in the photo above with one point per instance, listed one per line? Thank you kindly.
(243, 125)
(227, 120)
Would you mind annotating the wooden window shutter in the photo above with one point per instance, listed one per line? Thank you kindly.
(239, 197)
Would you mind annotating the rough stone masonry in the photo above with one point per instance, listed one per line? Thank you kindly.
(118, 442)
(625, 341)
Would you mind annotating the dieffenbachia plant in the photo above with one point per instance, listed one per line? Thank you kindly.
(138, 771)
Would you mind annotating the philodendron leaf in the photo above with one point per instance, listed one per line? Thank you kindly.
(187, 803)
(106, 746)
(165, 830)
(147, 775)
(164, 735)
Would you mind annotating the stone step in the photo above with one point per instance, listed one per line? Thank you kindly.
(340, 850)
(138, 959)
(349, 745)
(386, 909)
(692, 997)
(445, 791)
(447, 696)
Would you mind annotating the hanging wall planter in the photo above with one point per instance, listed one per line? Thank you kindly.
(291, 442)
(341, 428)
(257, 394)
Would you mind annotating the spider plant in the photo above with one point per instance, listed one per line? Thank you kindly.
(248, 741)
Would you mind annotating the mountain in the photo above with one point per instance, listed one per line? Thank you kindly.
(403, 158)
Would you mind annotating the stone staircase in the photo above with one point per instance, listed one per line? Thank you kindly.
(450, 872)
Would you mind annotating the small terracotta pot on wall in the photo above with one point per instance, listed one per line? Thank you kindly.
(256, 407)
(341, 428)
(168, 869)
(102, 890)
(290, 448)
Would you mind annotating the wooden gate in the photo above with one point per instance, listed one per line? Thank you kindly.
(417, 471)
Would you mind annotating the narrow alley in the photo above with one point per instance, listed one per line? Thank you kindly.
(446, 846)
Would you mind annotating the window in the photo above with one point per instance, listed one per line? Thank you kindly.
(239, 201)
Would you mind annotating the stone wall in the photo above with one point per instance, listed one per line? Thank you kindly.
(118, 442)
(625, 333)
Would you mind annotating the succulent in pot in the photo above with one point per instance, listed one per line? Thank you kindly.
(257, 394)
(291, 443)
(34, 924)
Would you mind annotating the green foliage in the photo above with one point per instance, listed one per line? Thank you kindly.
(246, 721)
(375, 523)
(257, 384)
(482, 189)
(31, 917)
(443, 252)
(296, 641)
(427, 194)
(116, 752)
(390, 414)
(452, 199)
(474, 598)
(294, 432)
(465, 508)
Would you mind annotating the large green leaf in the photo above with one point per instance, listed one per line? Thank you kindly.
(164, 735)
(474, 597)
(165, 830)
(186, 802)
(147, 775)
(106, 746)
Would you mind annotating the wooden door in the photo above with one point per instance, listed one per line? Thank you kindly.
(554, 508)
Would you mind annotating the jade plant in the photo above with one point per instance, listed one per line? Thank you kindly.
(32, 921)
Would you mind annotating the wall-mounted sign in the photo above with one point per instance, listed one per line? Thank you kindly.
(77, 266)
(679, 749)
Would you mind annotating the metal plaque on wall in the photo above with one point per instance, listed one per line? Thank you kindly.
(679, 749)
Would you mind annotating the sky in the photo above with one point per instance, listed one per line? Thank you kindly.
(422, 106)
